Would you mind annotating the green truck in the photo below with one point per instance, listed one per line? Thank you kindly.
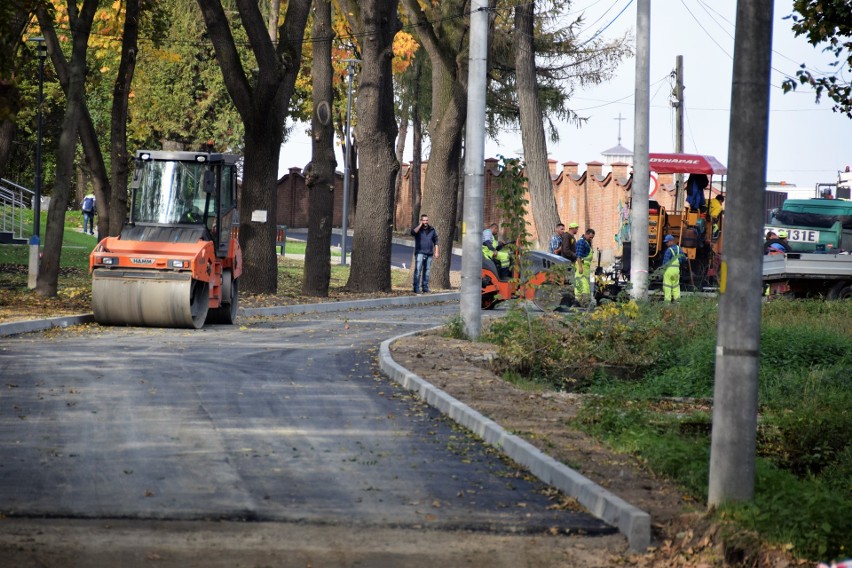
(819, 232)
(814, 225)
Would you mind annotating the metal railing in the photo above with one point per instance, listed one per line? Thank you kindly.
(14, 199)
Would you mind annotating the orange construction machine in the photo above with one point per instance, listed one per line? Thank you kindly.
(177, 261)
(535, 275)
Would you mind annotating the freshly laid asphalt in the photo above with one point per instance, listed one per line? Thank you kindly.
(279, 417)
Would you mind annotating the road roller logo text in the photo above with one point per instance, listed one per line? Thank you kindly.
(142, 260)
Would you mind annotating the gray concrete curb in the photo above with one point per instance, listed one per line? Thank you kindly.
(29, 326)
(351, 305)
(631, 521)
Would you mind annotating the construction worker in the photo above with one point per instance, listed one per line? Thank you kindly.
(569, 243)
(492, 249)
(672, 260)
(780, 238)
(776, 249)
(714, 207)
(583, 274)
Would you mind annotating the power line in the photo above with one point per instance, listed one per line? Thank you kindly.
(600, 31)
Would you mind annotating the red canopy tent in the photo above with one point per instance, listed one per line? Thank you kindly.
(686, 164)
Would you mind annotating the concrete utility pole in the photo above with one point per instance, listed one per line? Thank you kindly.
(641, 168)
(474, 172)
(732, 453)
(678, 104)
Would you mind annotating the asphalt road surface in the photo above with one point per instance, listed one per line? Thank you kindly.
(271, 420)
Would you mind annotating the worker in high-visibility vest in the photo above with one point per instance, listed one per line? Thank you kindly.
(672, 260)
(492, 249)
(583, 274)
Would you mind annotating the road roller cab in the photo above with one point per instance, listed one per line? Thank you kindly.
(177, 261)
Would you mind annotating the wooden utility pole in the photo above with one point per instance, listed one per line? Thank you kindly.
(734, 438)
(678, 104)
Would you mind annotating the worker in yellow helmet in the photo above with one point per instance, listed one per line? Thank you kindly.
(583, 274)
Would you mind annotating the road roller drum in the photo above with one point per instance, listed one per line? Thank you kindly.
(149, 299)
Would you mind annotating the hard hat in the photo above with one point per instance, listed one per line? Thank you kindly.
(573, 225)
(782, 234)
(777, 246)
(668, 238)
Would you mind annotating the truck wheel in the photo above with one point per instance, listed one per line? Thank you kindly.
(840, 291)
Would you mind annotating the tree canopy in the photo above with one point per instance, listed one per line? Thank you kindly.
(826, 22)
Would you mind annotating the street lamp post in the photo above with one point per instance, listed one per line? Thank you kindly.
(35, 240)
(350, 71)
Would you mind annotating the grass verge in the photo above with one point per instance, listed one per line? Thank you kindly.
(652, 368)
(74, 293)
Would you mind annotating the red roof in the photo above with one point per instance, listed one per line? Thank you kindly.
(685, 164)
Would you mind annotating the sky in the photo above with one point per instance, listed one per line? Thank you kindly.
(808, 142)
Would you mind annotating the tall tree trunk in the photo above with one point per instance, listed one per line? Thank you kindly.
(539, 184)
(449, 108)
(440, 192)
(84, 178)
(416, 164)
(89, 139)
(272, 22)
(8, 129)
(263, 108)
(320, 181)
(376, 23)
(460, 198)
(400, 152)
(81, 27)
(11, 34)
(120, 160)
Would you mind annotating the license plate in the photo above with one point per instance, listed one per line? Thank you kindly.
(796, 235)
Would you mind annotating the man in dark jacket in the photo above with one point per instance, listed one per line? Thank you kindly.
(569, 243)
(425, 247)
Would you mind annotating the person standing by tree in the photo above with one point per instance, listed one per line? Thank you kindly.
(582, 279)
(89, 209)
(425, 247)
(672, 260)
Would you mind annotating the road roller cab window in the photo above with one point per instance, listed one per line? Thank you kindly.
(171, 192)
